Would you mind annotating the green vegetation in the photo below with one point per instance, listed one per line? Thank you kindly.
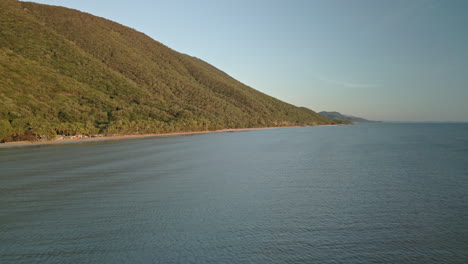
(345, 118)
(63, 72)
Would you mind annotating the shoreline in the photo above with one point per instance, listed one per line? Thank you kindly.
(121, 137)
(117, 137)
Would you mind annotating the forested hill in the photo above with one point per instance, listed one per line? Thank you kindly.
(346, 118)
(67, 72)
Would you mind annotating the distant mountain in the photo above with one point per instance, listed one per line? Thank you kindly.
(341, 117)
(67, 72)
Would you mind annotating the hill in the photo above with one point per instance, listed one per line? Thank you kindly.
(347, 118)
(67, 72)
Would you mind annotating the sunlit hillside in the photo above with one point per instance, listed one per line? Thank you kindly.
(67, 72)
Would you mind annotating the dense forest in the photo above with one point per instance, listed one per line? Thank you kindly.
(64, 72)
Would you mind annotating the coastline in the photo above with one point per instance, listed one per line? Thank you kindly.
(121, 137)
(118, 137)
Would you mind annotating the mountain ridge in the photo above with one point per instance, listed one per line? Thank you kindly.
(67, 72)
(347, 118)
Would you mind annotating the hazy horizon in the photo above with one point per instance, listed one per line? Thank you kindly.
(389, 61)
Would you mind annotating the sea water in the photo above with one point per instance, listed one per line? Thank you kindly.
(367, 193)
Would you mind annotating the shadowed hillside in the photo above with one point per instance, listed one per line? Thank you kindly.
(67, 72)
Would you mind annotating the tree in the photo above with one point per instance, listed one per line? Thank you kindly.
(5, 129)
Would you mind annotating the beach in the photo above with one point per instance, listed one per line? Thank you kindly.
(120, 137)
(117, 137)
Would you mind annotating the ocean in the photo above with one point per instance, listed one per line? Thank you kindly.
(366, 193)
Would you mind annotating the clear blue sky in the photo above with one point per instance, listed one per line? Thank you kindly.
(400, 60)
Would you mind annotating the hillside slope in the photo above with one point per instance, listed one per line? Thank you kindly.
(346, 118)
(67, 72)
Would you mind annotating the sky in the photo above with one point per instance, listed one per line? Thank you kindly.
(394, 60)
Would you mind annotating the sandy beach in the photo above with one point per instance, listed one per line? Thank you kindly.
(120, 137)
(117, 137)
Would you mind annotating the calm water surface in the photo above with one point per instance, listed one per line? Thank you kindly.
(371, 193)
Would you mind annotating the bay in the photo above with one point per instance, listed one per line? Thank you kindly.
(367, 193)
